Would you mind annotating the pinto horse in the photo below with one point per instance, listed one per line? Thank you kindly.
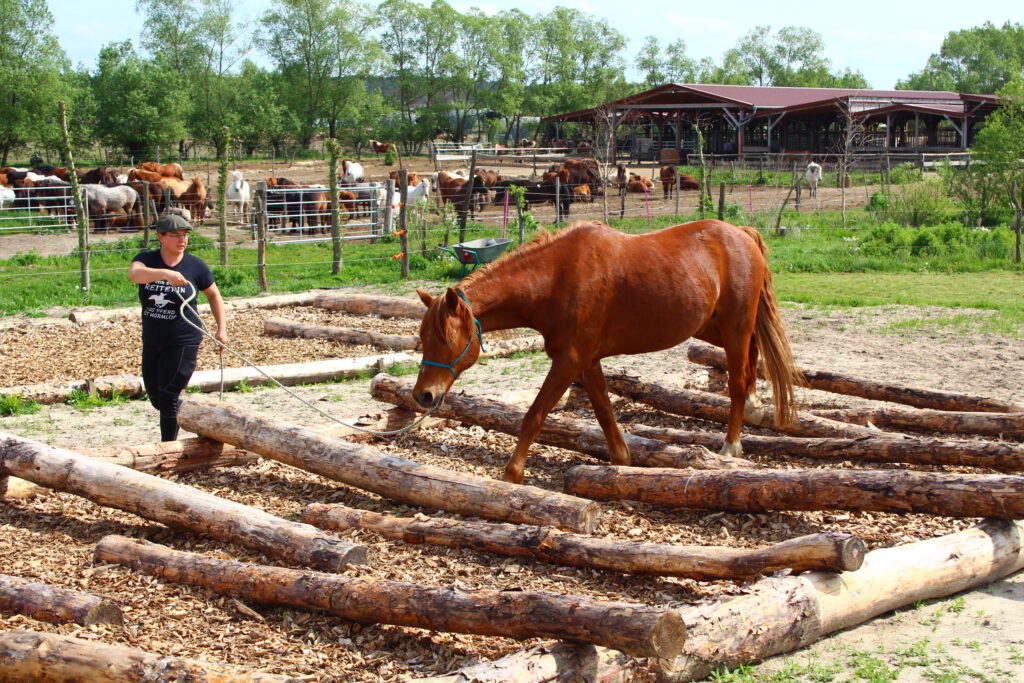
(593, 292)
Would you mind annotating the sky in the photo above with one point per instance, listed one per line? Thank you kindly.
(885, 40)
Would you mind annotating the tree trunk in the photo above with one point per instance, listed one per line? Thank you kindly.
(778, 615)
(636, 629)
(361, 304)
(998, 425)
(706, 406)
(172, 457)
(295, 373)
(27, 656)
(176, 505)
(1002, 456)
(282, 327)
(563, 432)
(952, 495)
(53, 603)
(835, 382)
(825, 551)
(387, 475)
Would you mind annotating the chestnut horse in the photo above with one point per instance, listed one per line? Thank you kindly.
(594, 292)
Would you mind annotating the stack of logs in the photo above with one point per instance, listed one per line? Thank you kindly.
(832, 581)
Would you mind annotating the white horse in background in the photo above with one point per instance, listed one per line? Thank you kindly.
(813, 176)
(239, 196)
(351, 171)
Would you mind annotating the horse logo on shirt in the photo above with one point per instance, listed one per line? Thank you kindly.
(159, 300)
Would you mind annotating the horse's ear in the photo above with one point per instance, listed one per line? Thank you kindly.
(424, 297)
(451, 299)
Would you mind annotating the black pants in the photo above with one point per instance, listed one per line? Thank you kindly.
(166, 371)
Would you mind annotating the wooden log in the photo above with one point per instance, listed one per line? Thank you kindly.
(49, 393)
(283, 327)
(28, 656)
(998, 425)
(707, 406)
(387, 475)
(13, 488)
(506, 347)
(563, 432)
(55, 604)
(779, 615)
(365, 304)
(636, 629)
(173, 504)
(272, 301)
(296, 373)
(173, 457)
(953, 495)
(835, 382)
(1002, 456)
(823, 551)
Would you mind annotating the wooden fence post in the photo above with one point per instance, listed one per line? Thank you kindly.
(679, 185)
(403, 217)
(721, 201)
(76, 198)
(262, 234)
(222, 191)
(464, 213)
(389, 207)
(337, 253)
(147, 216)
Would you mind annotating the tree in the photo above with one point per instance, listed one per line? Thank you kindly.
(673, 67)
(31, 76)
(976, 60)
(1000, 146)
(142, 104)
(262, 119)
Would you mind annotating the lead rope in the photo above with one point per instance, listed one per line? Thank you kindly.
(202, 328)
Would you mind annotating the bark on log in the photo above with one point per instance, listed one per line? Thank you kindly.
(954, 495)
(295, 373)
(636, 629)
(274, 301)
(998, 425)
(49, 393)
(184, 455)
(707, 406)
(387, 475)
(563, 432)
(866, 388)
(55, 604)
(823, 551)
(30, 657)
(363, 304)
(283, 327)
(1002, 456)
(175, 505)
(779, 615)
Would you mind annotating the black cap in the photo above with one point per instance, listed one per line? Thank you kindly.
(172, 223)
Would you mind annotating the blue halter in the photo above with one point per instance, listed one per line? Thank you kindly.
(479, 332)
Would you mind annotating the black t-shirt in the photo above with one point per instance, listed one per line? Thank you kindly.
(161, 305)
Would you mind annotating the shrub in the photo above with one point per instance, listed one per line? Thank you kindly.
(390, 157)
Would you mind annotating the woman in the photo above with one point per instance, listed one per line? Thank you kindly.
(170, 344)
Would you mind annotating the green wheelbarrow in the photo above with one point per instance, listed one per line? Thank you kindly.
(477, 252)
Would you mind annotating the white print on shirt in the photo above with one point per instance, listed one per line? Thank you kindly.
(160, 300)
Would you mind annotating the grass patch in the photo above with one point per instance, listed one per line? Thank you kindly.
(85, 401)
(16, 404)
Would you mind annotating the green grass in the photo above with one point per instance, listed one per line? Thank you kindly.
(17, 405)
(84, 401)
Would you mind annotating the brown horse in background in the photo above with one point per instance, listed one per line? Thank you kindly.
(594, 292)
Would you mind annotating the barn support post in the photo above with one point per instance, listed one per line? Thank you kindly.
(76, 197)
(261, 234)
(336, 244)
(403, 217)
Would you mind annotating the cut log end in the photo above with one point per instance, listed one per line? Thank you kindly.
(850, 554)
(335, 559)
(669, 635)
(104, 612)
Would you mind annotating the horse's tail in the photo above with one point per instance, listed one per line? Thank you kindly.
(773, 344)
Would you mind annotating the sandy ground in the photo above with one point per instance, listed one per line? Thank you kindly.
(977, 631)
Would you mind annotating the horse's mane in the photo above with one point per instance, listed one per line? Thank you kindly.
(543, 239)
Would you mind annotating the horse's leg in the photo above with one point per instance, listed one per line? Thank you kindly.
(594, 384)
(559, 377)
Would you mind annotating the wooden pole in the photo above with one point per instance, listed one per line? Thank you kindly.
(468, 199)
(223, 154)
(172, 457)
(55, 604)
(32, 656)
(706, 406)
(283, 327)
(563, 432)
(337, 244)
(640, 630)
(826, 551)
(996, 425)
(76, 197)
(705, 354)
(262, 235)
(1001, 456)
(363, 304)
(387, 475)
(952, 495)
(173, 504)
(403, 220)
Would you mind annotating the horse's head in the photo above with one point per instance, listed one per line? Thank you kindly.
(451, 339)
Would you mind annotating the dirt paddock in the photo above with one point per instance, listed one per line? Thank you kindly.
(51, 538)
